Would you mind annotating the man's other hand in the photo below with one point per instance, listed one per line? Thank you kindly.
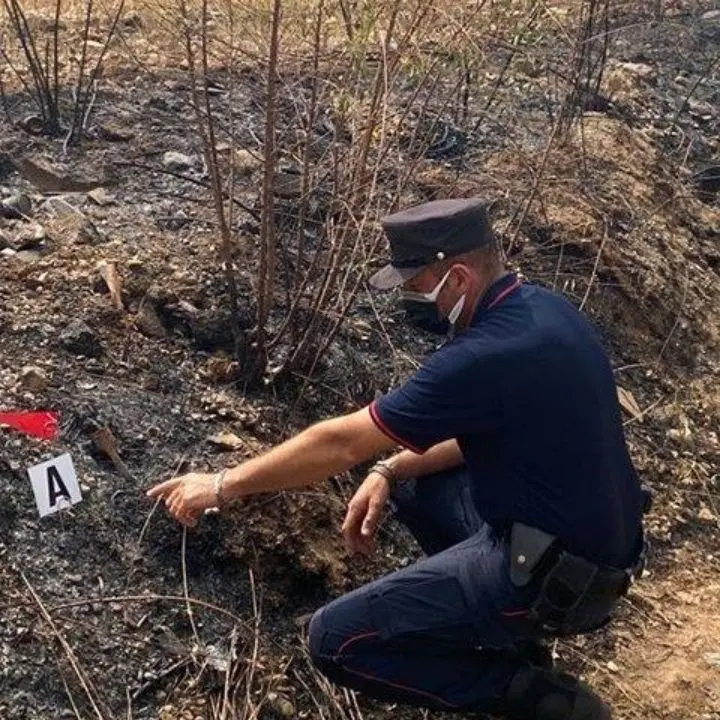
(364, 513)
(187, 496)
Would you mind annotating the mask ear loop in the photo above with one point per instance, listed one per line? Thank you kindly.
(457, 309)
(426, 297)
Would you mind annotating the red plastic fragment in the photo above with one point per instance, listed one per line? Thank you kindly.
(39, 424)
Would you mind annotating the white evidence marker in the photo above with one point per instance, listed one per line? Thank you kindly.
(55, 484)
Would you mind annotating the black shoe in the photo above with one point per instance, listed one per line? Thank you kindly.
(537, 694)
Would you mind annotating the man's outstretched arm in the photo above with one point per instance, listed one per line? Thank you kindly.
(330, 447)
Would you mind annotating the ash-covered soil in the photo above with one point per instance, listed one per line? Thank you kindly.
(110, 600)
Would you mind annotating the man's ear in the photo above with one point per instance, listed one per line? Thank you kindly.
(462, 278)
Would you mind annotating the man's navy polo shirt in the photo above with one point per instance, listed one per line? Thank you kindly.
(528, 392)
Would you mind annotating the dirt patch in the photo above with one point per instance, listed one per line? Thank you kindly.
(675, 671)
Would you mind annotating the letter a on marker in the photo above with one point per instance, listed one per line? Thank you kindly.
(56, 486)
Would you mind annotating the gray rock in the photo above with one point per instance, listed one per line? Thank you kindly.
(8, 252)
(28, 256)
(177, 221)
(78, 338)
(701, 109)
(5, 241)
(640, 70)
(114, 133)
(148, 320)
(33, 124)
(88, 234)
(100, 196)
(246, 162)
(16, 207)
(177, 161)
(94, 366)
(33, 378)
(30, 237)
(132, 20)
(711, 16)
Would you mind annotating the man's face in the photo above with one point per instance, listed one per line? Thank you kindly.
(424, 282)
(458, 282)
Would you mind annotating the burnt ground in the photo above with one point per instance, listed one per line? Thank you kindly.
(622, 223)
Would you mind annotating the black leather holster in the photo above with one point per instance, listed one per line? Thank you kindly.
(573, 594)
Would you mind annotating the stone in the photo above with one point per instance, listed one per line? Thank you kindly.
(16, 207)
(132, 20)
(5, 241)
(100, 196)
(639, 70)
(176, 85)
(711, 16)
(30, 237)
(148, 320)
(246, 162)
(33, 124)
(94, 366)
(28, 256)
(226, 441)
(113, 133)
(88, 234)
(8, 252)
(176, 221)
(33, 378)
(700, 109)
(49, 180)
(78, 338)
(706, 514)
(177, 161)
(281, 705)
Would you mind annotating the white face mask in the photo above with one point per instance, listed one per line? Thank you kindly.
(422, 310)
(426, 297)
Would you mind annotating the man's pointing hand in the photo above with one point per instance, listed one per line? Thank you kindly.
(186, 496)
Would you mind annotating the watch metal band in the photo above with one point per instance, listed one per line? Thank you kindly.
(384, 469)
(218, 484)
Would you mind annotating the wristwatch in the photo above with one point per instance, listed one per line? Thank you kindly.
(218, 484)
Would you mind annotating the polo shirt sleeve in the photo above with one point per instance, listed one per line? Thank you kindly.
(452, 394)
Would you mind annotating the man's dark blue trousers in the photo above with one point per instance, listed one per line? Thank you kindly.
(439, 633)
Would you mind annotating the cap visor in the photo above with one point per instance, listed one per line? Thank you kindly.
(391, 277)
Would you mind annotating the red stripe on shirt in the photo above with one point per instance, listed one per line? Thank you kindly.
(504, 294)
(375, 415)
